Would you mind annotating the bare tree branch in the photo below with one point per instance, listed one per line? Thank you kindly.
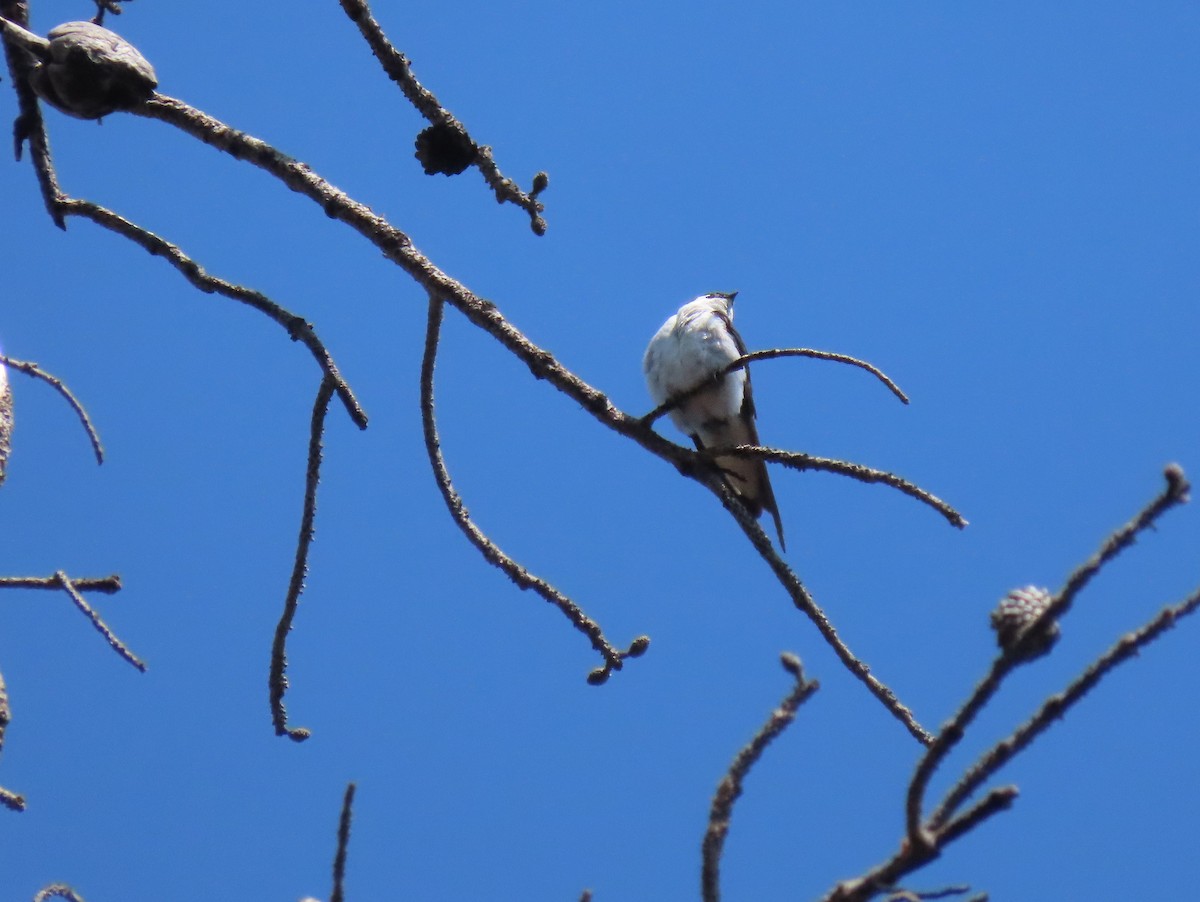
(399, 70)
(952, 731)
(297, 327)
(804, 601)
(730, 788)
(118, 646)
(396, 246)
(909, 895)
(109, 585)
(745, 360)
(613, 658)
(798, 460)
(8, 799)
(277, 680)
(32, 369)
(1056, 706)
(28, 125)
(343, 843)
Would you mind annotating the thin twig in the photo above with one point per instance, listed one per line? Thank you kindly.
(909, 895)
(771, 354)
(343, 843)
(952, 731)
(1173, 494)
(1056, 706)
(29, 125)
(798, 460)
(72, 589)
(804, 601)
(399, 70)
(297, 327)
(277, 680)
(5, 711)
(912, 857)
(32, 369)
(109, 585)
(730, 787)
(491, 552)
(996, 800)
(11, 800)
(6, 421)
(7, 799)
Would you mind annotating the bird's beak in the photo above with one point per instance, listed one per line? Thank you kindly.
(728, 295)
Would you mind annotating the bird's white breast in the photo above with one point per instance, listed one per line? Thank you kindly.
(689, 348)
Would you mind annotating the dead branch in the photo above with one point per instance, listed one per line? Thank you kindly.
(343, 844)
(118, 646)
(399, 70)
(613, 657)
(730, 787)
(804, 602)
(106, 584)
(297, 327)
(1056, 706)
(952, 731)
(277, 679)
(925, 841)
(8, 799)
(797, 460)
(29, 125)
(32, 369)
(771, 354)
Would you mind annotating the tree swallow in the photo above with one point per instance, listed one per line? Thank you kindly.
(692, 346)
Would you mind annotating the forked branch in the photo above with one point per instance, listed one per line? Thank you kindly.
(926, 840)
(1174, 493)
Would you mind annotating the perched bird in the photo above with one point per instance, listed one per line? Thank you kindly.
(692, 346)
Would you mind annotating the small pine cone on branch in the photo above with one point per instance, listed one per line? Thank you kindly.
(1015, 613)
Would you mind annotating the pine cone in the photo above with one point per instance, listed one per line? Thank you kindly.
(445, 149)
(89, 72)
(1015, 613)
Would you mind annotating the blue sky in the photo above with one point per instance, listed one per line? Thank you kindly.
(996, 205)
